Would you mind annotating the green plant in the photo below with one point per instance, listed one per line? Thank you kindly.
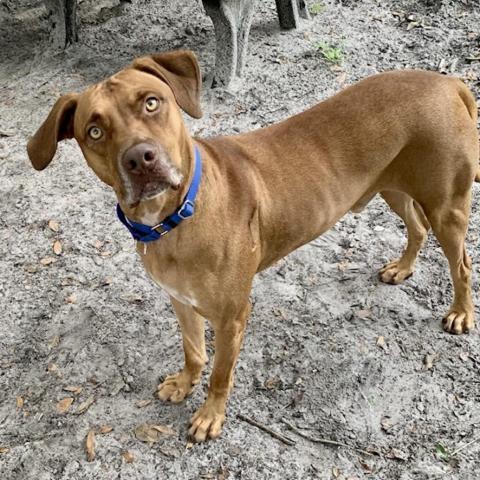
(316, 8)
(330, 53)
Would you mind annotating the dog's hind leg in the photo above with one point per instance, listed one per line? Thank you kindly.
(417, 228)
(449, 222)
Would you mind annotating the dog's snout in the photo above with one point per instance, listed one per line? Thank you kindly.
(139, 158)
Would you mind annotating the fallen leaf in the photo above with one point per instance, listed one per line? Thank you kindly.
(397, 454)
(53, 368)
(105, 253)
(47, 261)
(367, 467)
(189, 445)
(386, 423)
(464, 356)
(57, 247)
(428, 361)
(143, 403)
(164, 429)
(53, 226)
(364, 313)
(84, 406)
(71, 298)
(90, 445)
(64, 404)
(99, 244)
(132, 297)
(335, 472)
(54, 341)
(272, 383)
(128, 456)
(73, 389)
(19, 401)
(151, 433)
(106, 281)
(105, 429)
(381, 341)
(4, 449)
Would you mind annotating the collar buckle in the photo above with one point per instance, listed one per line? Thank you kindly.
(162, 232)
(186, 210)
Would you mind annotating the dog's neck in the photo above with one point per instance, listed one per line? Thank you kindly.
(153, 211)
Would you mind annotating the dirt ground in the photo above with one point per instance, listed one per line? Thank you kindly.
(329, 349)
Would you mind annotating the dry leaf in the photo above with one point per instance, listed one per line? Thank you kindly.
(143, 403)
(189, 445)
(53, 226)
(105, 253)
(105, 429)
(106, 281)
(73, 389)
(54, 341)
(335, 472)
(386, 423)
(132, 297)
(163, 429)
(364, 313)
(151, 433)
(52, 367)
(84, 406)
(47, 261)
(272, 383)
(64, 404)
(128, 456)
(71, 298)
(90, 445)
(381, 341)
(19, 402)
(397, 454)
(57, 247)
(367, 467)
(98, 244)
(4, 449)
(428, 361)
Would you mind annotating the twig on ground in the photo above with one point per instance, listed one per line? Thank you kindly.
(476, 439)
(278, 436)
(324, 441)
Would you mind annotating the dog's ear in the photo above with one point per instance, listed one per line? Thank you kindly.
(58, 126)
(180, 70)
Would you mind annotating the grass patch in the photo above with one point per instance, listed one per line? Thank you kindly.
(330, 53)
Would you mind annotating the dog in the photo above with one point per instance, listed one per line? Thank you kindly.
(209, 214)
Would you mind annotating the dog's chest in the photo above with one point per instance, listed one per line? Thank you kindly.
(172, 282)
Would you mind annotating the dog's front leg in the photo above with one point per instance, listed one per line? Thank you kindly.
(208, 419)
(176, 387)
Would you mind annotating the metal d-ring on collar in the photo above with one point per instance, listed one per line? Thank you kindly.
(146, 233)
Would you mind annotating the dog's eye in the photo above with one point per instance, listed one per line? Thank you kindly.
(151, 104)
(95, 133)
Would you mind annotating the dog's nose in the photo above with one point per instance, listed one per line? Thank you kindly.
(140, 158)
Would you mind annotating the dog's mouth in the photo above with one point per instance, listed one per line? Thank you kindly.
(150, 191)
(147, 172)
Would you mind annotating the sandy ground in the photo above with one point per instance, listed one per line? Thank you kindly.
(312, 355)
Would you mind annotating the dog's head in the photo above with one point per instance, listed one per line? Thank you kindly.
(129, 127)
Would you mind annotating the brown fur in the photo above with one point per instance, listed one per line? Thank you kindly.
(409, 135)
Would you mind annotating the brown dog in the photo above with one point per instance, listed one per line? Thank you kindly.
(409, 135)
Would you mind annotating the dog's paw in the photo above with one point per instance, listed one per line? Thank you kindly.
(207, 422)
(458, 321)
(395, 273)
(176, 387)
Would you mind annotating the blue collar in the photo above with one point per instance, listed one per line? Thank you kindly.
(145, 233)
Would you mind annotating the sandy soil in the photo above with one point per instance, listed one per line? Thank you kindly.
(329, 349)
